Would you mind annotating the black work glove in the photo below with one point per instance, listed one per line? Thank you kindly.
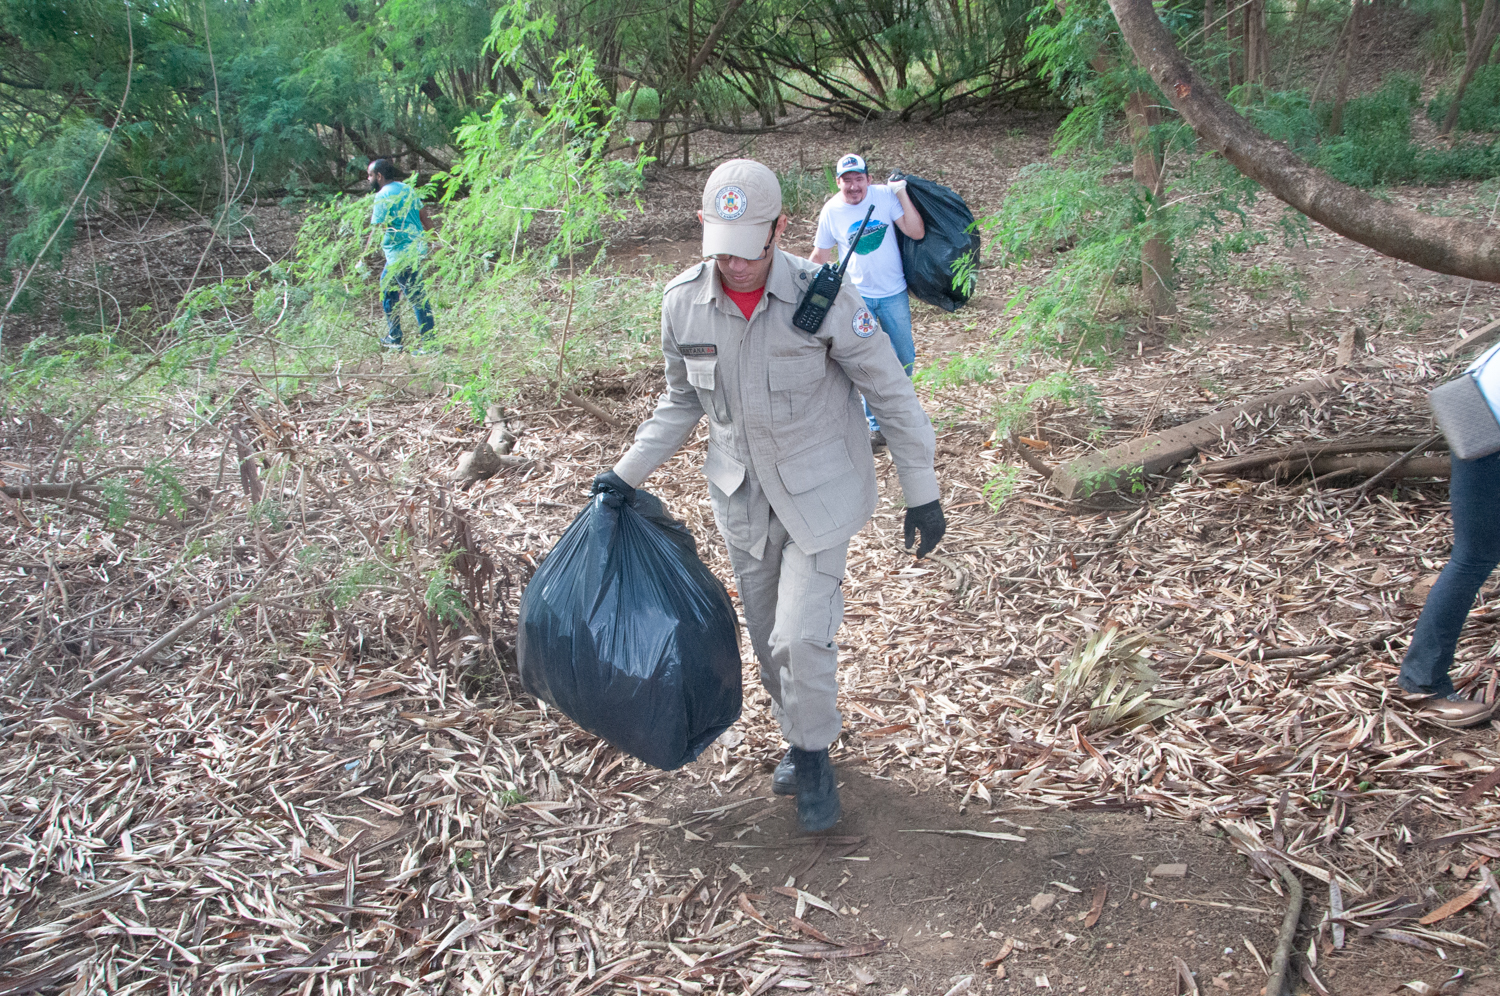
(612, 482)
(929, 519)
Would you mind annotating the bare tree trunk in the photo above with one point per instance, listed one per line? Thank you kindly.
(1156, 253)
(672, 100)
(1451, 245)
(1336, 121)
(1479, 52)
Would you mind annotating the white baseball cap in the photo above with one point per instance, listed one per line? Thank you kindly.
(741, 202)
(850, 164)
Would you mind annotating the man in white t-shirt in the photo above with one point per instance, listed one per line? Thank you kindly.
(876, 264)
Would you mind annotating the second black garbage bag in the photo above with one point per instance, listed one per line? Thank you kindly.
(626, 631)
(928, 262)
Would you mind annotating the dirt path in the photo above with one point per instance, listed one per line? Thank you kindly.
(931, 894)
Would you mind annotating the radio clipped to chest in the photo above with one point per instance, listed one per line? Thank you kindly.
(819, 298)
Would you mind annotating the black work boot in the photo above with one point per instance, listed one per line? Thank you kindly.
(817, 789)
(784, 779)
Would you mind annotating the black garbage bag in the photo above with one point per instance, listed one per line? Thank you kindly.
(626, 631)
(928, 261)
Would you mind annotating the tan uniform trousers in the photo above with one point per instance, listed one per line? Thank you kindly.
(794, 603)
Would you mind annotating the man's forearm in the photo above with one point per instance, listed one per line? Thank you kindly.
(910, 222)
(821, 256)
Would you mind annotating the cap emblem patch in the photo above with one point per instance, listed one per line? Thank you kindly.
(731, 203)
(864, 323)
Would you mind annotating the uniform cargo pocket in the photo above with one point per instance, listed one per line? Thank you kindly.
(824, 462)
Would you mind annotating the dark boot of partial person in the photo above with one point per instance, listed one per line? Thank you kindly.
(784, 779)
(817, 789)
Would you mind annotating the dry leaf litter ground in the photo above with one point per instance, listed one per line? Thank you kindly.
(326, 788)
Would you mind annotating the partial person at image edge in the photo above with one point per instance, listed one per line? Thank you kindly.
(399, 211)
(1474, 499)
(790, 474)
(875, 266)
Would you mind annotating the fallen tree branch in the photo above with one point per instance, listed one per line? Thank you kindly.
(1363, 466)
(1276, 984)
(161, 643)
(1307, 451)
(1108, 469)
(1031, 460)
(1401, 461)
(572, 398)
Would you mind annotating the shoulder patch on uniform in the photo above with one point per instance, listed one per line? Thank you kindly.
(685, 277)
(698, 349)
(863, 323)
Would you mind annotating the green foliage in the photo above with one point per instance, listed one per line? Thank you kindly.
(360, 577)
(804, 191)
(955, 369)
(166, 480)
(1000, 486)
(116, 502)
(1480, 110)
(639, 103)
(1376, 146)
(1060, 387)
(1085, 217)
(443, 599)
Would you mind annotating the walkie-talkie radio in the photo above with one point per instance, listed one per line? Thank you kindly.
(825, 287)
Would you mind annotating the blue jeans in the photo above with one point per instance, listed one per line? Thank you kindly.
(408, 281)
(894, 315)
(1475, 496)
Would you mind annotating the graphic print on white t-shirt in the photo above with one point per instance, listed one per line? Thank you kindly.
(876, 264)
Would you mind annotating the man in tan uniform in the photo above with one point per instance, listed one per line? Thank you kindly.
(789, 467)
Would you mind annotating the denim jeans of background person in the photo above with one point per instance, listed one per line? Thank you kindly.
(399, 212)
(1474, 493)
(875, 262)
(894, 315)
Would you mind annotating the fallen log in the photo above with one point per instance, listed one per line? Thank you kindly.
(1310, 451)
(1352, 466)
(1109, 469)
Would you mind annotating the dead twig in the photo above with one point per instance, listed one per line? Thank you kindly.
(1276, 984)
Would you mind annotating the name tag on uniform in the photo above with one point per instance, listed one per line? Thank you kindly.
(699, 350)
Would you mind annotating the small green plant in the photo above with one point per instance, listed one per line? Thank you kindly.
(804, 191)
(1000, 486)
(116, 502)
(165, 479)
(443, 599)
(1015, 406)
(359, 578)
(511, 797)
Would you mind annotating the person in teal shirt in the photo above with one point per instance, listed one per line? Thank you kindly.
(399, 211)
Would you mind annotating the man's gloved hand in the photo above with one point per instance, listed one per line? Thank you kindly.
(610, 481)
(929, 519)
(897, 186)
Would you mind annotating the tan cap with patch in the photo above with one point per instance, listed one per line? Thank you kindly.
(741, 203)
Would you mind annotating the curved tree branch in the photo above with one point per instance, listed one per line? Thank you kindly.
(1445, 245)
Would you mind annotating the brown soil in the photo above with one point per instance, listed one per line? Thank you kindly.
(945, 904)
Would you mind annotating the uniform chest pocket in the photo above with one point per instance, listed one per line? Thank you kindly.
(700, 371)
(700, 374)
(794, 381)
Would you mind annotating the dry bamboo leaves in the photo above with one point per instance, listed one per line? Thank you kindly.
(336, 765)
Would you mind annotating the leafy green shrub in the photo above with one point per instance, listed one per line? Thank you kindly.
(1480, 110)
(1376, 149)
(804, 191)
(639, 103)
